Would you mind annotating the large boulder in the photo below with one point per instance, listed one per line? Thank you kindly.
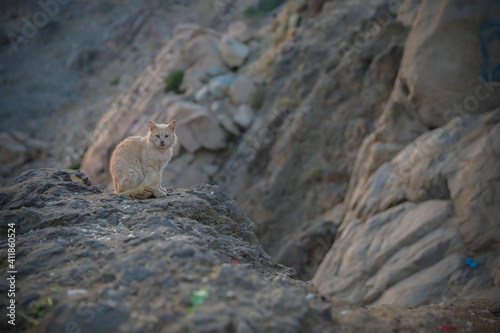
(135, 265)
(446, 71)
(410, 232)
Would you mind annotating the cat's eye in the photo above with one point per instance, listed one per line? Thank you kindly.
(158, 136)
(166, 136)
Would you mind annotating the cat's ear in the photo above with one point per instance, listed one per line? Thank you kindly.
(152, 126)
(172, 124)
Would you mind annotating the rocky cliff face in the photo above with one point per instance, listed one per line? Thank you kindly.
(93, 261)
(370, 159)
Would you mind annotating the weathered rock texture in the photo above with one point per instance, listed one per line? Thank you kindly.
(425, 206)
(92, 261)
(376, 145)
(325, 93)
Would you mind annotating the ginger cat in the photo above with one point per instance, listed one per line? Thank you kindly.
(137, 162)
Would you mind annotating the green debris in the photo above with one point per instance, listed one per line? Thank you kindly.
(199, 297)
(57, 288)
(31, 320)
(39, 309)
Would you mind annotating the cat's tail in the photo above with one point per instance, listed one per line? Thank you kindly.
(144, 189)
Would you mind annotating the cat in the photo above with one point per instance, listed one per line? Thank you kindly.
(137, 162)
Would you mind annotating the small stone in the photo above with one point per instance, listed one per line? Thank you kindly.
(210, 169)
(293, 21)
(216, 106)
(202, 94)
(228, 124)
(219, 86)
(233, 53)
(244, 116)
(242, 90)
(240, 31)
(184, 253)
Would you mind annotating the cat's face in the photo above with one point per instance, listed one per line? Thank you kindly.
(162, 135)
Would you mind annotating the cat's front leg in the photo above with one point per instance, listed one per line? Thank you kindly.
(162, 190)
(159, 192)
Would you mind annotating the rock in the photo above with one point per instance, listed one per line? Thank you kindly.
(18, 149)
(228, 124)
(197, 128)
(243, 116)
(188, 262)
(130, 247)
(293, 21)
(316, 237)
(419, 215)
(233, 53)
(187, 28)
(218, 69)
(311, 79)
(421, 79)
(240, 31)
(408, 179)
(219, 86)
(170, 99)
(256, 99)
(314, 7)
(187, 170)
(202, 95)
(242, 91)
(203, 59)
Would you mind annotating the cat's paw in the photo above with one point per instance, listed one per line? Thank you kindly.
(159, 194)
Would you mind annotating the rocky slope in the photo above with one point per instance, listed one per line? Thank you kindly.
(92, 261)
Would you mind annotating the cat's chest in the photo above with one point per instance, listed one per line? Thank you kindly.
(157, 159)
